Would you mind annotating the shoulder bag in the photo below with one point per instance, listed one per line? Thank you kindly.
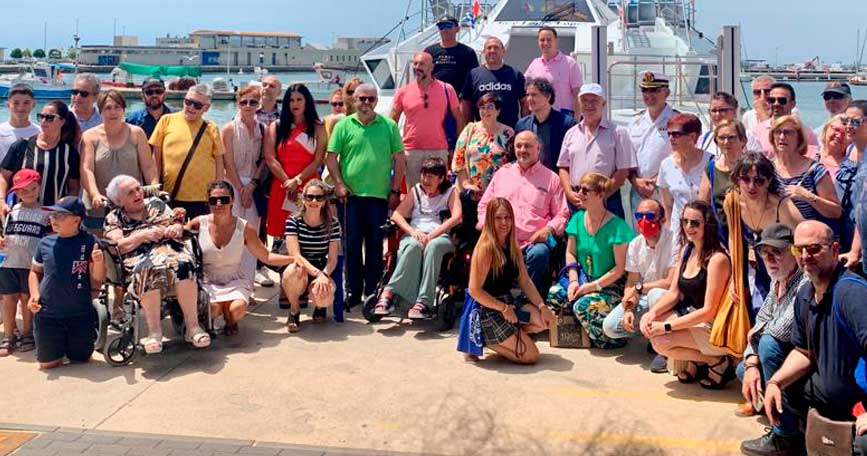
(188, 159)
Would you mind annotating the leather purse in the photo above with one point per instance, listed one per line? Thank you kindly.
(826, 437)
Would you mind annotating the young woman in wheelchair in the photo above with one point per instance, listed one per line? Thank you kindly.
(421, 250)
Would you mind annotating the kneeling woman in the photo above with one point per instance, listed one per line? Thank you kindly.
(497, 267)
(679, 323)
(223, 238)
(426, 242)
(313, 240)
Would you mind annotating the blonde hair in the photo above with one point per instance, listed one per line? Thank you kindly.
(799, 128)
(488, 239)
(600, 183)
(836, 119)
(349, 101)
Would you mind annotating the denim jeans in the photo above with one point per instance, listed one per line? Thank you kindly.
(362, 217)
(771, 354)
(612, 326)
(537, 257)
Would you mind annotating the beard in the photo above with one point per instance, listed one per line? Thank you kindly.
(154, 104)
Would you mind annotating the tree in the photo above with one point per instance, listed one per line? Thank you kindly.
(39, 54)
(55, 54)
(26, 53)
(72, 53)
(16, 53)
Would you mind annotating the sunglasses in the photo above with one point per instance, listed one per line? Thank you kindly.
(446, 26)
(785, 132)
(310, 197)
(350, 92)
(337, 104)
(584, 189)
(676, 133)
(721, 110)
(425, 100)
(224, 200)
(768, 251)
(811, 249)
(649, 216)
(248, 103)
(852, 121)
(152, 92)
(778, 100)
(650, 89)
(833, 96)
(366, 99)
(758, 181)
(690, 223)
(46, 117)
(81, 93)
(758, 92)
(197, 105)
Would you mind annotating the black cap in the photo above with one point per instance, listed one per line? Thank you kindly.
(153, 82)
(841, 88)
(447, 19)
(69, 204)
(777, 235)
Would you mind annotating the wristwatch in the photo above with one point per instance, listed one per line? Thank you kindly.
(639, 287)
(667, 327)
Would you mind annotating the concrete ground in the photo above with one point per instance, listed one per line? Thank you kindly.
(381, 387)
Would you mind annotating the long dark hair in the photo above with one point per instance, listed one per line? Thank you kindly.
(70, 129)
(286, 123)
(711, 242)
(763, 166)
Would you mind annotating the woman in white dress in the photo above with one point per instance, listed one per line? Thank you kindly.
(224, 238)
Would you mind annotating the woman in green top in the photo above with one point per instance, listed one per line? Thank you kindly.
(597, 240)
(731, 139)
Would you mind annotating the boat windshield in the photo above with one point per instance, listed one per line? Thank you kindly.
(545, 10)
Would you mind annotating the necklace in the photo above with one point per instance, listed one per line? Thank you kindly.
(590, 230)
(756, 228)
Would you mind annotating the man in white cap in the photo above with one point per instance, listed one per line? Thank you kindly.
(596, 145)
(649, 135)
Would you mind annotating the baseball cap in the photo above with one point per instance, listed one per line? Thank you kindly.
(839, 88)
(69, 204)
(447, 19)
(651, 80)
(777, 235)
(153, 82)
(24, 178)
(592, 89)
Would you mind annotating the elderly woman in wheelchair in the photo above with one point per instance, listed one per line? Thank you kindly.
(157, 261)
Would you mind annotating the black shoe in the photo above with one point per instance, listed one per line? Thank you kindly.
(772, 444)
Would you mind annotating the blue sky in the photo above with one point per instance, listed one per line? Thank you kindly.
(792, 31)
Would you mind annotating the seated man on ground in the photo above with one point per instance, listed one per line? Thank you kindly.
(66, 267)
(650, 263)
(540, 205)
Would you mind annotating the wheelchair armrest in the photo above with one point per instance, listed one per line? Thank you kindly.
(388, 228)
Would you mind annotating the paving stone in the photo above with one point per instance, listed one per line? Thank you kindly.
(39, 442)
(149, 452)
(98, 438)
(107, 449)
(138, 442)
(69, 447)
(34, 452)
(221, 447)
(260, 450)
(178, 444)
(301, 452)
(62, 436)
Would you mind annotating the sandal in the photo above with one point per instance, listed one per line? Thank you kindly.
(6, 346)
(693, 373)
(230, 329)
(152, 344)
(26, 343)
(199, 338)
(418, 311)
(719, 374)
(320, 314)
(383, 306)
(294, 323)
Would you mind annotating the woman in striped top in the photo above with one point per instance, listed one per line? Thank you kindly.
(313, 238)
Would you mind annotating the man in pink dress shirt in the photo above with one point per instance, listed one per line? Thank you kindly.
(537, 200)
(558, 68)
(781, 100)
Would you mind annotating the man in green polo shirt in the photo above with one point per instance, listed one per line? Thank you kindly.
(366, 160)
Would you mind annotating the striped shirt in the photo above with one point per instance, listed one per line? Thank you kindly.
(777, 315)
(809, 181)
(57, 166)
(313, 240)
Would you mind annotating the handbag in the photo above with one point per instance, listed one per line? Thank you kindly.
(470, 339)
(731, 325)
(263, 188)
(567, 332)
(188, 159)
(450, 124)
(826, 437)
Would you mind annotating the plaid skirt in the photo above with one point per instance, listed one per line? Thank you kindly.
(495, 328)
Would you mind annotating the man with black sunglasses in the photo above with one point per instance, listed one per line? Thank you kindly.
(760, 86)
(452, 61)
(781, 102)
(153, 94)
(85, 88)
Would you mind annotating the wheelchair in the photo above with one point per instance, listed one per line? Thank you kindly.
(451, 284)
(118, 340)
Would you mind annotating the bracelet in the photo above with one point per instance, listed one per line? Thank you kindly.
(598, 287)
(773, 382)
(573, 281)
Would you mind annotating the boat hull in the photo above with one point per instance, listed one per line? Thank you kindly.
(40, 93)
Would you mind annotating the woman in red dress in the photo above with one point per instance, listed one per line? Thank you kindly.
(294, 150)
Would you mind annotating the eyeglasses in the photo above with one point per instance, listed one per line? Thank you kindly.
(250, 102)
(676, 133)
(768, 251)
(759, 92)
(811, 249)
(758, 181)
(446, 25)
(366, 99)
(650, 89)
(152, 92)
(852, 121)
(337, 104)
(778, 100)
(488, 107)
(649, 216)
(224, 200)
(46, 117)
(727, 138)
(828, 96)
(197, 105)
(81, 93)
(785, 132)
(690, 223)
(721, 110)
(311, 197)
(584, 189)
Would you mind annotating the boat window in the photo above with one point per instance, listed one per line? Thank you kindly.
(546, 10)
(40, 72)
(379, 69)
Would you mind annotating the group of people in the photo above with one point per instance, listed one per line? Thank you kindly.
(663, 229)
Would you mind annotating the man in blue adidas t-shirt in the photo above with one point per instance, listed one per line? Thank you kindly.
(66, 267)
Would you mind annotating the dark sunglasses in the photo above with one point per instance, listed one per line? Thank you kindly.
(852, 121)
(446, 25)
(248, 103)
(309, 197)
(690, 223)
(425, 100)
(650, 89)
(336, 104)
(197, 105)
(721, 110)
(81, 93)
(350, 92)
(768, 251)
(758, 181)
(811, 249)
(224, 200)
(833, 96)
(757, 92)
(46, 117)
(778, 100)
(152, 92)
(584, 189)
(649, 216)
(677, 133)
(366, 99)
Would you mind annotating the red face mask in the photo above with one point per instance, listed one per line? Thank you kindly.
(648, 229)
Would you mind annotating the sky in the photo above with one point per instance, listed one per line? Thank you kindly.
(780, 31)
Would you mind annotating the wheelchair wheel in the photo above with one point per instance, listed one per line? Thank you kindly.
(102, 321)
(367, 308)
(120, 350)
(447, 312)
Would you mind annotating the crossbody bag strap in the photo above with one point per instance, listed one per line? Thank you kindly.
(839, 315)
(188, 159)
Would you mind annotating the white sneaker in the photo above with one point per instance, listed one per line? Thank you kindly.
(262, 278)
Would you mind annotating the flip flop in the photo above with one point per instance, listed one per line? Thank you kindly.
(152, 344)
(199, 338)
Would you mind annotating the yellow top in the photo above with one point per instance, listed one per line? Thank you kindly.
(174, 135)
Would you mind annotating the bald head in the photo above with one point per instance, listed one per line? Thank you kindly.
(494, 53)
(814, 230)
(422, 66)
(527, 148)
(814, 241)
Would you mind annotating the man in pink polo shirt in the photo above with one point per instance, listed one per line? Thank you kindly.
(558, 68)
(424, 102)
(781, 100)
(537, 200)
